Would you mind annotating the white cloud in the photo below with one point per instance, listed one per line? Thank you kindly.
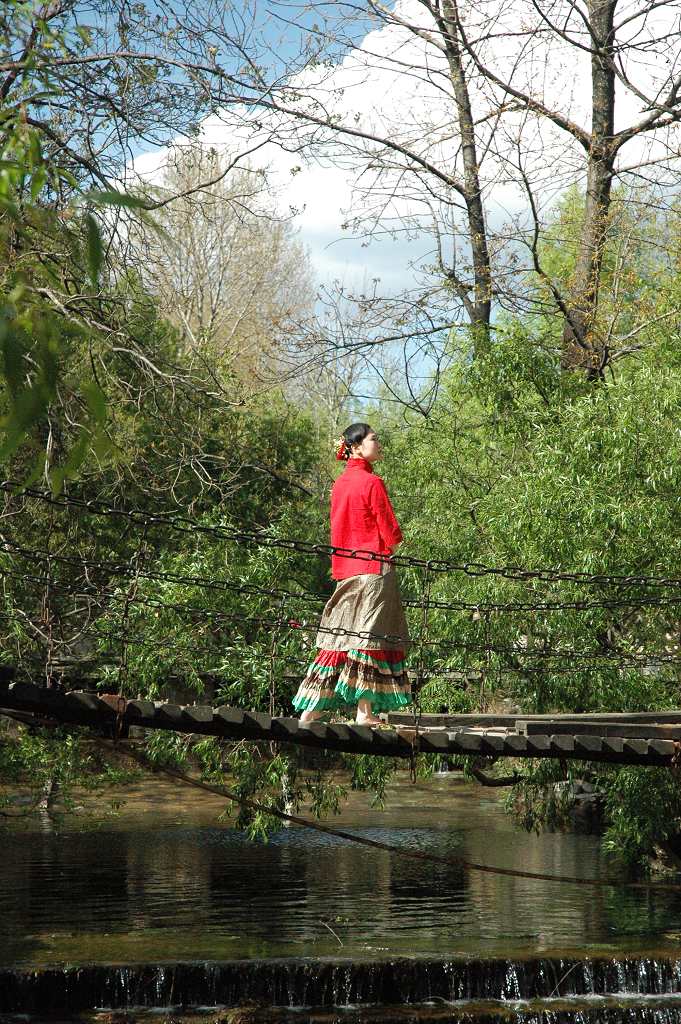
(396, 84)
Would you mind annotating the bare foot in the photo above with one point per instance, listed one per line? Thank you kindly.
(311, 716)
(368, 720)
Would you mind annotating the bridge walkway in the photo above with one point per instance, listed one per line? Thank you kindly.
(646, 739)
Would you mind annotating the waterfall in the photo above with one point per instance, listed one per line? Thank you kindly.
(329, 982)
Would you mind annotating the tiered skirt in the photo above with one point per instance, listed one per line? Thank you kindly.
(362, 640)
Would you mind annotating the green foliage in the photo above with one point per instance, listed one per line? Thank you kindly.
(52, 762)
(372, 773)
(45, 756)
(100, 397)
(168, 749)
(275, 781)
(53, 256)
(643, 809)
(542, 800)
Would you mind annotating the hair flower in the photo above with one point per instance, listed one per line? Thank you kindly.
(340, 449)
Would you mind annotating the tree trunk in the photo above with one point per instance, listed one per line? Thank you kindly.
(479, 310)
(582, 349)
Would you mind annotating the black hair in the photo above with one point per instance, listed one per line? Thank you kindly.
(354, 434)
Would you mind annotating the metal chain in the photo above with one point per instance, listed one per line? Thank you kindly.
(620, 658)
(423, 639)
(47, 617)
(184, 524)
(129, 600)
(123, 568)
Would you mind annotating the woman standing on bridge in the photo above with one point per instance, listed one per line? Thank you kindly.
(363, 632)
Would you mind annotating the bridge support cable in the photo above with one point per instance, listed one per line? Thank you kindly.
(185, 524)
(118, 568)
(593, 658)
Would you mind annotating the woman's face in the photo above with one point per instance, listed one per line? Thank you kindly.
(369, 449)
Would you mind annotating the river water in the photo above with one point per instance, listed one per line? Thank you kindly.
(164, 881)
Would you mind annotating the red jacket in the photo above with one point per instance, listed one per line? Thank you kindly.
(362, 519)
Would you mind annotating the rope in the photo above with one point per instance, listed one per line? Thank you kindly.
(452, 860)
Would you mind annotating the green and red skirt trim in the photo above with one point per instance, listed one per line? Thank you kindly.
(337, 680)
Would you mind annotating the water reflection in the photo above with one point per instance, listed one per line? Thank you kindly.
(179, 888)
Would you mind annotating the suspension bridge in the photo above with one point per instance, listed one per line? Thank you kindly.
(651, 738)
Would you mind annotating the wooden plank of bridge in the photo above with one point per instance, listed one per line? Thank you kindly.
(199, 716)
(350, 738)
(434, 742)
(639, 748)
(340, 731)
(314, 731)
(598, 728)
(540, 746)
(259, 723)
(562, 746)
(492, 743)
(466, 742)
(517, 743)
(238, 722)
(415, 740)
(87, 702)
(407, 720)
(588, 745)
(659, 752)
(31, 696)
(91, 709)
(169, 716)
(662, 748)
(285, 728)
(137, 710)
(364, 733)
(509, 721)
(229, 720)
